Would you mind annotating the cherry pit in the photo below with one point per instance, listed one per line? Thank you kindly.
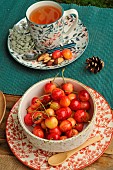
(60, 113)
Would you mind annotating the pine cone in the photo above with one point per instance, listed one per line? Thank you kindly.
(94, 64)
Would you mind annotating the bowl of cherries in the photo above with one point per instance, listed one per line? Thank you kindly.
(57, 114)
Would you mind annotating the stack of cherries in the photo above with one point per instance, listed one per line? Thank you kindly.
(60, 113)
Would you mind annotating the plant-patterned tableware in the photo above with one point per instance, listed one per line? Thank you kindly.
(48, 30)
(37, 159)
(20, 43)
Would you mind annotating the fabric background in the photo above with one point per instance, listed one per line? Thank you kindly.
(16, 79)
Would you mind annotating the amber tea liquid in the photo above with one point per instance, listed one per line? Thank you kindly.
(45, 15)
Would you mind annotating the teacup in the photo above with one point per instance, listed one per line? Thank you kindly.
(46, 24)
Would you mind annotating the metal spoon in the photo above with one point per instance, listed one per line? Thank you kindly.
(59, 158)
(2, 106)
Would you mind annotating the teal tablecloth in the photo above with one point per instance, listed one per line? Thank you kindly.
(16, 78)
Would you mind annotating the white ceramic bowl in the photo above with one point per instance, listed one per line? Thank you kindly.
(55, 145)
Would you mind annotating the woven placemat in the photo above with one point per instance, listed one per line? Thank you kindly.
(16, 78)
(8, 162)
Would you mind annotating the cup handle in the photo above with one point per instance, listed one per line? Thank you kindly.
(66, 13)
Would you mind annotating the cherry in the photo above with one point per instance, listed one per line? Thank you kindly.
(61, 113)
(72, 96)
(50, 112)
(75, 104)
(85, 105)
(28, 120)
(37, 117)
(45, 99)
(38, 131)
(49, 87)
(81, 116)
(30, 110)
(35, 100)
(35, 105)
(56, 54)
(54, 105)
(51, 122)
(63, 137)
(72, 120)
(55, 130)
(68, 88)
(69, 112)
(83, 95)
(67, 54)
(43, 125)
(71, 133)
(64, 101)
(53, 136)
(57, 93)
(65, 125)
(79, 126)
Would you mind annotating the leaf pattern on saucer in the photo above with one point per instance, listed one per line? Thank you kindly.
(79, 36)
(37, 159)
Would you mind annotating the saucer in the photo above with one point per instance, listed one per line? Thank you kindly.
(37, 159)
(20, 43)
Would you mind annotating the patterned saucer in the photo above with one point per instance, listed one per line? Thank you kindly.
(37, 159)
(20, 42)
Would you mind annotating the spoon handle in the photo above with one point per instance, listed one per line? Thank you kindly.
(62, 47)
(87, 143)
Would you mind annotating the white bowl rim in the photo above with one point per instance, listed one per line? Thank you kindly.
(56, 141)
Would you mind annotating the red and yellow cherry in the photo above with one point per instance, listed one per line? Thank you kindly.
(37, 130)
(72, 96)
(72, 120)
(45, 99)
(81, 116)
(37, 117)
(63, 137)
(72, 132)
(75, 104)
(35, 100)
(67, 54)
(53, 136)
(28, 119)
(83, 95)
(49, 87)
(30, 110)
(65, 125)
(85, 105)
(64, 101)
(79, 126)
(56, 54)
(50, 112)
(61, 114)
(51, 122)
(69, 112)
(68, 88)
(57, 93)
(55, 130)
(35, 105)
(54, 105)
(43, 125)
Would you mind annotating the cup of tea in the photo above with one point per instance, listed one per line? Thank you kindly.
(46, 24)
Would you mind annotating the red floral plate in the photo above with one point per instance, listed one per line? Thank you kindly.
(37, 159)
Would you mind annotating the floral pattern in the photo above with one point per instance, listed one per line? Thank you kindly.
(37, 159)
(79, 37)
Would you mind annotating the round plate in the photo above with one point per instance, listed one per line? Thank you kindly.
(79, 37)
(37, 159)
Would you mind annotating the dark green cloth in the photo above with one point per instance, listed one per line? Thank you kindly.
(16, 78)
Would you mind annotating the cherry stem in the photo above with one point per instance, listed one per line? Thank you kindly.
(55, 77)
(42, 105)
(63, 75)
